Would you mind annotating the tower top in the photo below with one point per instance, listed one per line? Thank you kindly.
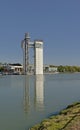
(27, 35)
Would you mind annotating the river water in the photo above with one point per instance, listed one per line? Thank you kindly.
(27, 100)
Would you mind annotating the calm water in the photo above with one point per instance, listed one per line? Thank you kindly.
(26, 100)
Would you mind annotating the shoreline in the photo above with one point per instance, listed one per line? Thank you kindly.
(67, 119)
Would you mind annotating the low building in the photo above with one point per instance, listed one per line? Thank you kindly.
(50, 68)
(14, 68)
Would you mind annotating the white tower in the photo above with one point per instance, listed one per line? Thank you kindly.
(38, 57)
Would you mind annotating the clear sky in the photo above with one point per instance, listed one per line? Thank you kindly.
(56, 22)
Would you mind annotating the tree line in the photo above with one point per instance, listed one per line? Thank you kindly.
(68, 68)
(60, 68)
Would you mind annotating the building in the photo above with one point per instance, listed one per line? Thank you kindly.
(50, 69)
(13, 69)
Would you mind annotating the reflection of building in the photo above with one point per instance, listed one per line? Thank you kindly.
(26, 94)
(39, 91)
(37, 95)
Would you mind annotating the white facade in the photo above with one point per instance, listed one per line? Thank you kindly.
(38, 57)
(17, 69)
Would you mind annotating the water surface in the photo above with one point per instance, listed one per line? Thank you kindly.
(26, 100)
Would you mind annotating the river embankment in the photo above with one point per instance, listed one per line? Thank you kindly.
(67, 119)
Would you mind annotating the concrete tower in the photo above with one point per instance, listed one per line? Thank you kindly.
(38, 57)
(25, 47)
(37, 45)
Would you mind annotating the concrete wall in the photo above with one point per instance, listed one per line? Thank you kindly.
(38, 57)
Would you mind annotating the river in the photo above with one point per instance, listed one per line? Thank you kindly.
(27, 100)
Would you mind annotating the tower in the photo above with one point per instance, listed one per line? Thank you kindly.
(25, 47)
(37, 45)
(38, 57)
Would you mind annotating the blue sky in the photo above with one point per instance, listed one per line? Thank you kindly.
(56, 22)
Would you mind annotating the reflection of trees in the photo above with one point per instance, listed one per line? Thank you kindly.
(39, 92)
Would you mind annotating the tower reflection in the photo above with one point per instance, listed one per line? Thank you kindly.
(39, 92)
(26, 94)
(33, 93)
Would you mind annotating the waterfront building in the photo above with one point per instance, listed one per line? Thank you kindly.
(37, 46)
(13, 69)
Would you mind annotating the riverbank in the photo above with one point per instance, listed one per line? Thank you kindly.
(67, 119)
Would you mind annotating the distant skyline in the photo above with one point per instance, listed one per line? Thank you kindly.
(56, 22)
